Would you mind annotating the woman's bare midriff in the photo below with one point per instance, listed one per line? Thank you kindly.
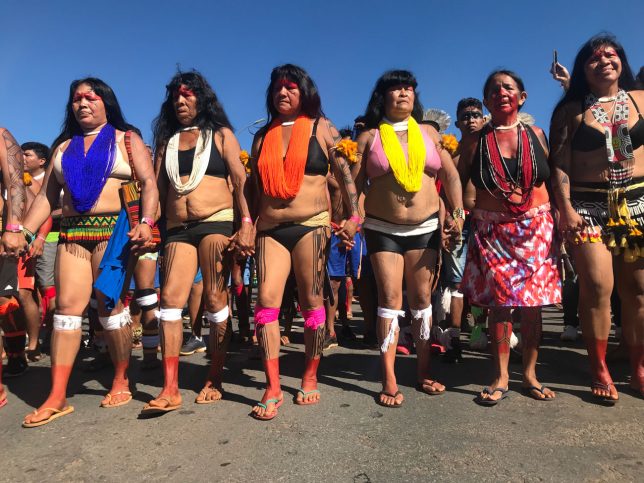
(109, 201)
(388, 201)
(311, 200)
(593, 166)
(485, 201)
(209, 197)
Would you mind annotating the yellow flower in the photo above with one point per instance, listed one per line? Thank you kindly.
(26, 179)
(450, 143)
(244, 157)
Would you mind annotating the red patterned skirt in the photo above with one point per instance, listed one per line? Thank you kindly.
(512, 260)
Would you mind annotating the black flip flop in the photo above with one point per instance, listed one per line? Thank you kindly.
(392, 406)
(491, 402)
(527, 391)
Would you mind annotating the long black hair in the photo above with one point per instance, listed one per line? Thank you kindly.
(210, 112)
(376, 107)
(70, 126)
(310, 103)
(579, 85)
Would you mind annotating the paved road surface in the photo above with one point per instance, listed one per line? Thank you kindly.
(346, 438)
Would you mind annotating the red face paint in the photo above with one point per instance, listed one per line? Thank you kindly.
(283, 82)
(89, 95)
(183, 91)
(607, 52)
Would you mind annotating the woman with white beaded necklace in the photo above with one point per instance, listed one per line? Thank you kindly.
(196, 153)
(399, 164)
(511, 263)
(597, 157)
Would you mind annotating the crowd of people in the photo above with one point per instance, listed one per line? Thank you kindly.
(103, 226)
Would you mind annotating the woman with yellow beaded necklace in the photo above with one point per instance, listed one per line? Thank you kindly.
(400, 161)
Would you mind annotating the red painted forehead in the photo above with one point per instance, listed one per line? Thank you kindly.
(89, 95)
(184, 91)
(284, 82)
(607, 50)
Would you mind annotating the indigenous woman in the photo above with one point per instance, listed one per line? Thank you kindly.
(598, 180)
(401, 161)
(291, 160)
(511, 266)
(89, 162)
(196, 152)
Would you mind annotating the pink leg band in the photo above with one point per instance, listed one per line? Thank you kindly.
(314, 318)
(265, 315)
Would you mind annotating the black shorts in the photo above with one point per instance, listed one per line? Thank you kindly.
(193, 232)
(288, 234)
(385, 242)
(8, 277)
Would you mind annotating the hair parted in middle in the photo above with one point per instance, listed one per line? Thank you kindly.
(310, 103)
(376, 108)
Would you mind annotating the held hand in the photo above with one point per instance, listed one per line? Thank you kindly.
(13, 244)
(141, 239)
(571, 224)
(37, 247)
(347, 232)
(452, 232)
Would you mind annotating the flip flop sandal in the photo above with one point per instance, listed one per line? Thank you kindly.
(606, 400)
(147, 409)
(420, 386)
(56, 413)
(491, 402)
(269, 416)
(304, 393)
(35, 355)
(394, 396)
(206, 391)
(110, 395)
(527, 391)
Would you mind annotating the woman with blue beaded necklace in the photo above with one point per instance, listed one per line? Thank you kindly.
(89, 163)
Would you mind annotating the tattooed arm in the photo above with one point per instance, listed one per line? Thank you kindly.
(12, 165)
(560, 160)
(450, 179)
(342, 173)
(244, 239)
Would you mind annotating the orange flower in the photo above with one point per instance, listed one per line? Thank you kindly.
(348, 149)
(244, 157)
(26, 179)
(450, 143)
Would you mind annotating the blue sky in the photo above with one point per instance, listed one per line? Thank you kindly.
(135, 47)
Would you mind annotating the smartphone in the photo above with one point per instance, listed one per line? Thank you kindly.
(554, 58)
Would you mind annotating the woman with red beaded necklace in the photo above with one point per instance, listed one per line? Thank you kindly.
(511, 266)
(598, 181)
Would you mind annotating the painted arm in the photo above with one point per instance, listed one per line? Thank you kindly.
(141, 235)
(11, 164)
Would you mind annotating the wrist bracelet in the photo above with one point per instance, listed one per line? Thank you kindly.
(355, 219)
(247, 219)
(148, 221)
(13, 228)
(40, 237)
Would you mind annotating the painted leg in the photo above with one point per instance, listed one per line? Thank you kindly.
(387, 331)
(220, 334)
(268, 337)
(118, 334)
(420, 327)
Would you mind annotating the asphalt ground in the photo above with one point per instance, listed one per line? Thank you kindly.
(346, 437)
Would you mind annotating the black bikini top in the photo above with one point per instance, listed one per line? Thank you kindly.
(317, 163)
(482, 178)
(587, 138)
(217, 167)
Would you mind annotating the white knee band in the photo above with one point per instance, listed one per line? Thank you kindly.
(67, 322)
(217, 317)
(426, 316)
(115, 322)
(393, 315)
(169, 315)
(457, 294)
(147, 300)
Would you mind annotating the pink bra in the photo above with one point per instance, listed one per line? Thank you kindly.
(378, 164)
